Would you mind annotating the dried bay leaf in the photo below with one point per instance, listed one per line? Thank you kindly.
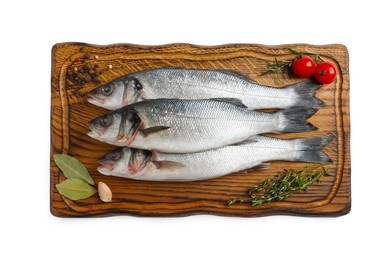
(72, 168)
(75, 189)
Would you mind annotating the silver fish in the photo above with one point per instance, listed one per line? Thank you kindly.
(181, 83)
(184, 126)
(155, 166)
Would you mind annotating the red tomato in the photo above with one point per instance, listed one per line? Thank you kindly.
(303, 66)
(325, 73)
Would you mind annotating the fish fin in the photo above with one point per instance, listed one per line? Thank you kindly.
(261, 166)
(234, 101)
(238, 75)
(152, 130)
(167, 165)
(310, 149)
(251, 140)
(305, 92)
(294, 120)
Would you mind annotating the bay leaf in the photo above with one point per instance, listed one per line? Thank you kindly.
(72, 168)
(75, 189)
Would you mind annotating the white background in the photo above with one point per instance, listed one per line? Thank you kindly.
(30, 28)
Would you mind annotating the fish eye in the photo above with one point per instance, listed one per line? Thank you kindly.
(137, 85)
(105, 121)
(107, 90)
(116, 155)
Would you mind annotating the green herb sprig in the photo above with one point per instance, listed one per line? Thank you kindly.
(283, 185)
(278, 66)
(282, 66)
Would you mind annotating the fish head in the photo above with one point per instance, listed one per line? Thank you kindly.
(119, 127)
(125, 162)
(117, 93)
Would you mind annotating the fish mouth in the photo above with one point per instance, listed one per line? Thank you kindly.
(95, 101)
(103, 170)
(104, 164)
(93, 134)
(106, 167)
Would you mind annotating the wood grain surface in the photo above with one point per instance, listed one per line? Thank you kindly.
(70, 113)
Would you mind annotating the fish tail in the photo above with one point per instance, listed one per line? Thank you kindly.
(294, 120)
(305, 94)
(310, 149)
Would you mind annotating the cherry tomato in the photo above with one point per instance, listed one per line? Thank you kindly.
(303, 66)
(325, 72)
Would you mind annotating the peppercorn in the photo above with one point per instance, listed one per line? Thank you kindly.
(88, 66)
(87, 78)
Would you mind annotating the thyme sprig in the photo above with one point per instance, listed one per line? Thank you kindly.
(282, 185)
(278, 66)
(281, 66)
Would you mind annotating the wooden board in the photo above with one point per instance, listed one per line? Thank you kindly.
(70, 113)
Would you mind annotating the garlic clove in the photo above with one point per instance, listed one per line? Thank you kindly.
(105, 193)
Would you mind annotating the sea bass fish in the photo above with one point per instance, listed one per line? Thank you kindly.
(155, 166)
(184, 126)
(181, 83)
